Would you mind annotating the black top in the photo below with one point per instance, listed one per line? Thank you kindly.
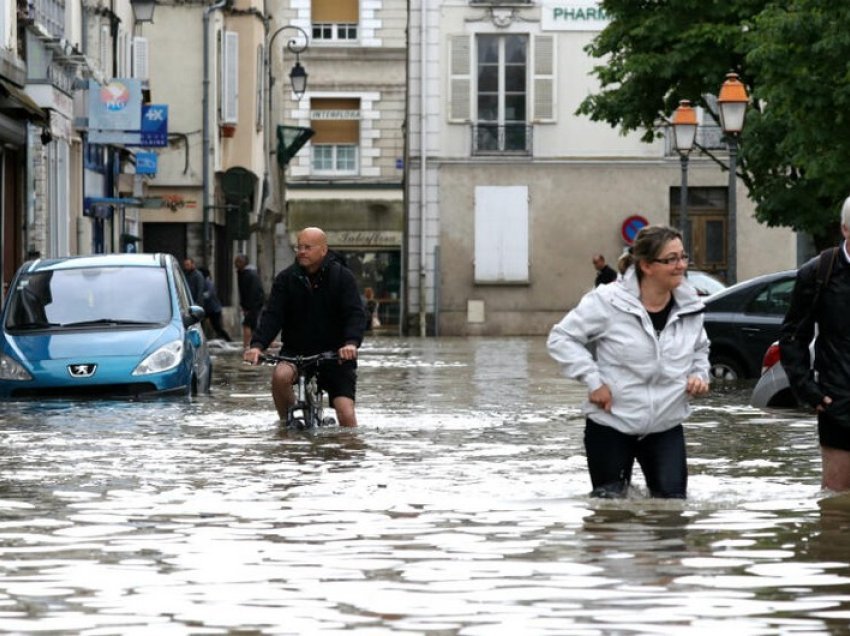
(251, 294)
(315, 313)
(832, 361)
(605, 275)
(659, 318)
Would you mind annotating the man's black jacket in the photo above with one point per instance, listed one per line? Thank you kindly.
(832, 347)
(251, 294)
(312, 316)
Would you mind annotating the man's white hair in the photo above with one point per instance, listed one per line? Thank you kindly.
(845, 213)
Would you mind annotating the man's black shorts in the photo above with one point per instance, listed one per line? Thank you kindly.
(249, 319)
(338, 380)
(834, 431)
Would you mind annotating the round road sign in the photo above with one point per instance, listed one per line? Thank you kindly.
(631, 226)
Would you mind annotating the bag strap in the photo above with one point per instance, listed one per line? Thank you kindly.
(825, 266)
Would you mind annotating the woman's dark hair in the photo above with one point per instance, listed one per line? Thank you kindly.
(649, 242)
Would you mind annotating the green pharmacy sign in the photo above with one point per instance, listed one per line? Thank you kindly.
(578, 15)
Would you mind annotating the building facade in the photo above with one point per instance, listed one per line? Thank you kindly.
(510, 193)
(348, 178)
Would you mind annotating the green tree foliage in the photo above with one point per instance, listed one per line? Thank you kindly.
(794, 58)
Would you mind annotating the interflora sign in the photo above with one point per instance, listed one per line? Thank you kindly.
(573, 15)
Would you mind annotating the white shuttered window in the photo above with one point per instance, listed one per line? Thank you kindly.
(501, 234)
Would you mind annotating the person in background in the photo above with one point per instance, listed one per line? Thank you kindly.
(651, 354)
(315, 306)
(212, 307)
(251, 296)
(372, 320)
(195, 280)
(821, 297)
(604, 273)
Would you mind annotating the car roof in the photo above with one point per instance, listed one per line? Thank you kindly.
(95, 260)
(749, 283)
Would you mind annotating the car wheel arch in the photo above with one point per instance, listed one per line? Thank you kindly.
(727, 365)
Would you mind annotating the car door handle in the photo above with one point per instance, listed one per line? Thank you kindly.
(751, 329)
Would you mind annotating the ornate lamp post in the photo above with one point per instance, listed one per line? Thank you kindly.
(684, 132)
(732, 101)
(297, 44)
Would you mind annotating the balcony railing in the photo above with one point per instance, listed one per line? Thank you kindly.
(502, 139)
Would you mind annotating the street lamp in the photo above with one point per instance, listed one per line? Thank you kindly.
(297, 76)
(143, 10)
(732, 101)
(684, 133)
(297, 44)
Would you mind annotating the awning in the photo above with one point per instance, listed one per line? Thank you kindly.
(14, 101)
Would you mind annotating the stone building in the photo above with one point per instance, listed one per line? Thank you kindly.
(510, 193)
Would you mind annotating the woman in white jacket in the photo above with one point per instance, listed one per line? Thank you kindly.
(651, 354)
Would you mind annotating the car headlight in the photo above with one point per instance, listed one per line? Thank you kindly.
(165, 358)
(10, 369)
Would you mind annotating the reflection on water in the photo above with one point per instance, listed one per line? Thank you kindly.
(458, 507)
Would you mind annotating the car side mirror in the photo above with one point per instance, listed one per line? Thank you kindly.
(195, 315)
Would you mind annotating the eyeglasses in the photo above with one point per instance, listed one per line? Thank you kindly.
(672, 260)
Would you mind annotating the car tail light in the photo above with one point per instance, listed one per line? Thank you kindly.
(771, 357)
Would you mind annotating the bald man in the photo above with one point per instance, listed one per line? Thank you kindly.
(316, 306)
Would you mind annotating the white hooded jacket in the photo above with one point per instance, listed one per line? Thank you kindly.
(647, 374)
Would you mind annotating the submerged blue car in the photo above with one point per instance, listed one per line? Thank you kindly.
(109, 325)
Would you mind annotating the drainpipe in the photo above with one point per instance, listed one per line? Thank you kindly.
(423, 181)
(207, 179)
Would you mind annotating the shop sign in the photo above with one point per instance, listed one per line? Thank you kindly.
(573, 15)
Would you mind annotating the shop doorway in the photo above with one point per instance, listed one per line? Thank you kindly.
(706, 232)
(380, 272)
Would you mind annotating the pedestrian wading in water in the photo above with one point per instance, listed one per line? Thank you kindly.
(651, 356)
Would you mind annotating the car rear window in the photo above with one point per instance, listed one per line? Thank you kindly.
(90, 296)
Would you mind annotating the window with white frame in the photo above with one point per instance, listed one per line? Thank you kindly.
(502, 98)
(501, 84)
(335, 20)
(336, 144)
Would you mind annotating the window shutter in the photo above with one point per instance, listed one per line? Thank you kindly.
(230, 79)
(106, 50)
(501, 240)
(544, 78)
(141, 59)
(460, 82)
(335, 11)
(335, 131)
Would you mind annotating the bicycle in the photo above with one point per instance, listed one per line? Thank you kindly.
(307, 410)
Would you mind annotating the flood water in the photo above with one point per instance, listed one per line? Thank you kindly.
(458, 507)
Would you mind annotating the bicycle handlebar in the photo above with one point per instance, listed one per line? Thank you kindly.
(299, 361)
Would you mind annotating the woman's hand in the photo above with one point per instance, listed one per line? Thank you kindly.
(696, 386)
(601, 397)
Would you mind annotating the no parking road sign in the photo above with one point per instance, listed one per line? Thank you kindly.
(631, 226)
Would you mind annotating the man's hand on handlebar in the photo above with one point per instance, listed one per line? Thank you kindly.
(252, 355)
(347, 352)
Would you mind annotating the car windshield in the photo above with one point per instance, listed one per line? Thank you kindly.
(90, 296)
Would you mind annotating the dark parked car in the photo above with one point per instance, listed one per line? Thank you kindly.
(743, 320)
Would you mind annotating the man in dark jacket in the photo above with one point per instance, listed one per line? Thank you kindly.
(251, 296)
(195, 280)
(821, 297)
(604, 273)
(315, 305)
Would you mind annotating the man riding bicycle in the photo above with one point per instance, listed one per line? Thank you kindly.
(315, 305)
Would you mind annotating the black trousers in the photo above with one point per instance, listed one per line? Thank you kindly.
(611, 456)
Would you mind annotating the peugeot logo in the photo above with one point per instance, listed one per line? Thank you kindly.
(81, 370)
